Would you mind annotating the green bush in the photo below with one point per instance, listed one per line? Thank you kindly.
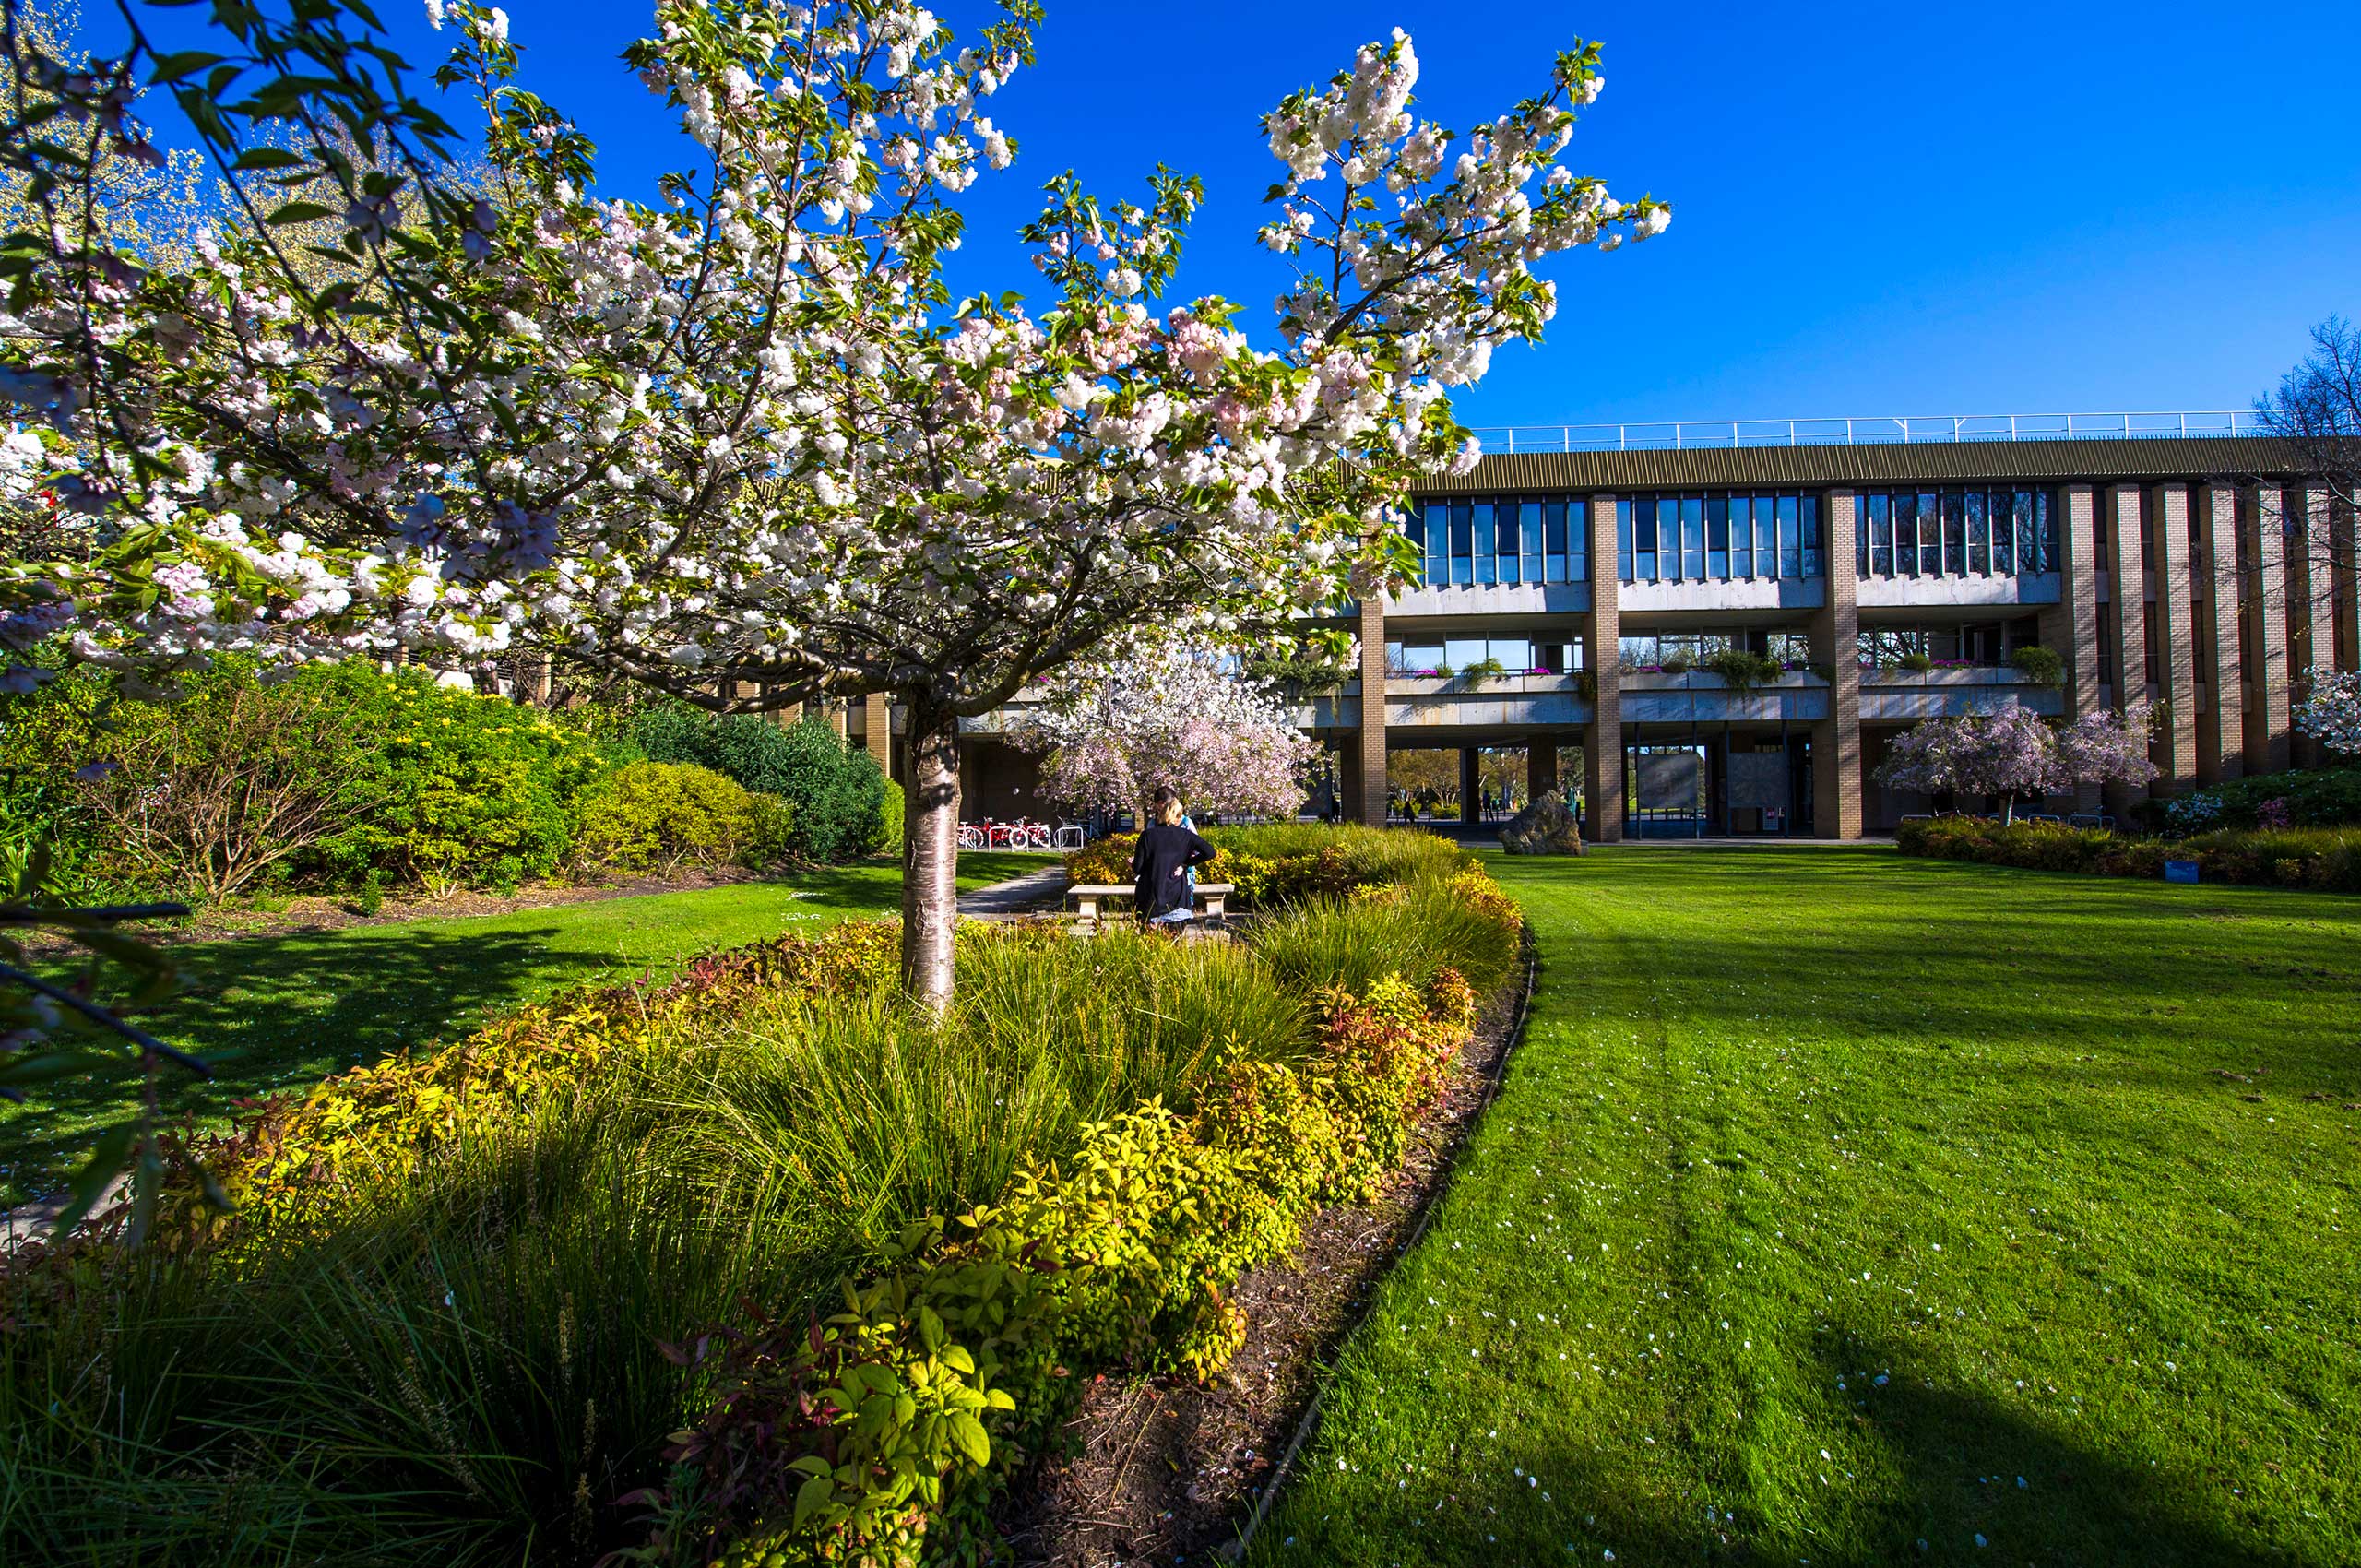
(2040, 665)
(661, 816)
(2328, 797)
(890, 819)
(1742, 669)
(475, 792)
(837, 791)
(2313, 857)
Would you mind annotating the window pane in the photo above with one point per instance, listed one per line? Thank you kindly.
(1811, 528)
(2032, 531)
(1717, 536)
(1766, 538)
(1861, 538)
(1507, 513)
(1954, 535)
(1930, 534)
(1514, 654)
(1463, 542)
(1906, 535)
(1643, 523)
(1790, 563)
(1979, 542)
(1487, 544)
(1623, 541)
(1692, 538)
(1879, 532)
(1437, 543)
(1668, 536)
(2004, 534)
(1529, 526)
(1742, 537)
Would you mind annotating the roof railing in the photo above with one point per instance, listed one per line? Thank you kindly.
(1878, 430)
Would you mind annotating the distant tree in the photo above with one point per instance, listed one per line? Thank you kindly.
(2331, 713)
(1171, 713)
(2316, 406)
(2013, 752)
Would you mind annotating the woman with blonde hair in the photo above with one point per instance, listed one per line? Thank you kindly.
(1160, 864)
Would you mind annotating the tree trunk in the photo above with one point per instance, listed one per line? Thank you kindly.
(930, 854)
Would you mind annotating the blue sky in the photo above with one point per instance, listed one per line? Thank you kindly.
(1878, 209)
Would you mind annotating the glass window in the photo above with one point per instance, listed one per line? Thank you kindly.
(1514, 654)
(2045, 530)
(1437, 544)
(1461, 652)
(1553, 541)
(1741, 538)
(1529, 527)
(1644, 544)
(1692, 539)
(1577, 541)
(1623, 539)
(1812, 536)
(1861, 538)
(1463, 543)
(1790, 555)
(1906, 535)
(1954, 535)
(1930, 534)
(1668, 536)
(1505, 539)
(1766, 538)
(2004, 534)
(1717, 536)
(1487, 545)
(1979, 541)
(1880, 533)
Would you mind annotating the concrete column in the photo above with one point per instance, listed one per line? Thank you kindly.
(2345, 572)
(1603, 747)
(2128, 607)
(1540, 769)
(2070, 627)
(2176, 743)
(877, 722)
(1835, 639)
(2267, 713)
(2311, 604)
(1370, 774)
(2221, 729)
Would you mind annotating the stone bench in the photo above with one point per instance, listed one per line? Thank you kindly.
(1212, 902)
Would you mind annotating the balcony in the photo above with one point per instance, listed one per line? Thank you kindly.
(1964, 591)
(1413, 701)
(1908, 696)
(1693, 697)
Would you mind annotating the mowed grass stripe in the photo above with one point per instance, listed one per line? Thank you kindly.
(1834, 1193)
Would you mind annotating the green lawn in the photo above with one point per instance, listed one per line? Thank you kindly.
(272, 1013)
(1848, 1209)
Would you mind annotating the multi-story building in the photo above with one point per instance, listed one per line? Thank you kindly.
(1571, 597)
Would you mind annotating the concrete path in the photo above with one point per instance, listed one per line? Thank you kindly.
(1034, 893)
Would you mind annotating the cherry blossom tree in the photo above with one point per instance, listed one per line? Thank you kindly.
(739, 444)
(2012, 751)
(2331, 712)
(1129, 721)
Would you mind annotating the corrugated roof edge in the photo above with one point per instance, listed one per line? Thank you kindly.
(2138, 457)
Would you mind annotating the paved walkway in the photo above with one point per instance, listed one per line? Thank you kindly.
(1031, 893)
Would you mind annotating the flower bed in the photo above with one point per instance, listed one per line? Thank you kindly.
(492, 1278)
(2319, 857)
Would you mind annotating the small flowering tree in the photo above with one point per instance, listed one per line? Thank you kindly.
(1131, 721)
(2331, 712)
(740, 444)
(2012, 751)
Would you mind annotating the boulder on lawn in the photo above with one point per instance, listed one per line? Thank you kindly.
(1547, 827)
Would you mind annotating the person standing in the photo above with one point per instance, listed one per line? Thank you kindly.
(1160, 865)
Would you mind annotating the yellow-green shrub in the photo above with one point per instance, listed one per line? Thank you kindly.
(661, 816)
(843, 1441)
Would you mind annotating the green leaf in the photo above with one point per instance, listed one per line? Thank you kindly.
(268, 158)
(812, 1496)
(298, 212)
(173, 68)
(968, 1436)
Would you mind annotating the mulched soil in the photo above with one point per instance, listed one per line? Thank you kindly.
(1166, 1471)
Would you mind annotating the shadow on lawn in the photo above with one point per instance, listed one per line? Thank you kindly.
(271, 1014)
(1955, 1456)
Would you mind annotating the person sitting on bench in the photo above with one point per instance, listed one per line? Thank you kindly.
(1160, 864)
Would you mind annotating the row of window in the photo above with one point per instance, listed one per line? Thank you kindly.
(1475, 544)
(1954, 533)
(1689, 539)
(1515, 655)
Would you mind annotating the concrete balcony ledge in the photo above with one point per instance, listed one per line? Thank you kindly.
(1705, 680)
(1398, 685)
(1875, 592)
(1967, 675)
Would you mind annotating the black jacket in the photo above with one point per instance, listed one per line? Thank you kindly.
(1158, 861)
